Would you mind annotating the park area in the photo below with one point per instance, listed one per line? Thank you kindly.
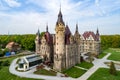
(74, 72)
(103, 73)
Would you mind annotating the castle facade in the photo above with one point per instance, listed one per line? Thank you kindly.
(63, 48)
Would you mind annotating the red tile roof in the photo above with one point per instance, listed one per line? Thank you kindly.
(67, 35)
(88, 33)
(48, 37)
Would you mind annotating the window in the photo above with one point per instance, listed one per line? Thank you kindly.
(20, 65)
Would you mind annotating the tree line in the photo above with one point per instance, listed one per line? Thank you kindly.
(27, 41)
(110, 41)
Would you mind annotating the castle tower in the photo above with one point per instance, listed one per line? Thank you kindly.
(97, 35)
(77, 41)
(98, 42)
(77, 35)
(59, 55)
(37, 42)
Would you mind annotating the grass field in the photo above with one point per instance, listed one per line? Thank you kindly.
(6, 75)
(74, 72)
(102, 55)
(45, 72)
(115, 54)
(103, 74)
(86, 65)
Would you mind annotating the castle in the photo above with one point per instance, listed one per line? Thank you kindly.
(64, 49)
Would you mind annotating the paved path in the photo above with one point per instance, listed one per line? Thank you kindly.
(97, 64)
(29, 74)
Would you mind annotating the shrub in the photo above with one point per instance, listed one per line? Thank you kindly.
(5, 50)
(1, 53)
(112, 69)
(0, 67)
(1, 63)
(6, 63)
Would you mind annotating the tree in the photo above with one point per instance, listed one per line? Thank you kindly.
(1, 63)
(1, 53)
(113, 69)
(5, 63)
(5, 50)
(110, 41)
(28, 43)
(42, 33)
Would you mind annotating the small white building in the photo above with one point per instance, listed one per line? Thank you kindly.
(28, 62)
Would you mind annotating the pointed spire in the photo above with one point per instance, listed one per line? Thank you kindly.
(76, 27)
(38, 37)
(60, 13)
(97, 32)
(47, 28)
(38, 33)
(97, 35)
(60, 19)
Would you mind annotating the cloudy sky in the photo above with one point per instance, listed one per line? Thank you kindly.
(27, 16)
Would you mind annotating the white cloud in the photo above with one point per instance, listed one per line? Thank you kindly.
(2, 7)
(88, 15)
(13, 3)
(26, 22)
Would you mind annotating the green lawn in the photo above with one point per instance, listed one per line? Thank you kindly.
(102, 55)
(6, 75)
(45, 72)
(115, 54)
(103, 74)
(74, 72)
(86, 65)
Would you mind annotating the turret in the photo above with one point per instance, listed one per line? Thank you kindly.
(76, 28)
(48, 36)
(47, 28)
(97, 35)
(59, 54)
(37, 42)
(77, 35)
(97, 32)
(60, 19)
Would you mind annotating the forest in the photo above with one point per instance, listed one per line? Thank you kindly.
(110, 41)
(27, 41)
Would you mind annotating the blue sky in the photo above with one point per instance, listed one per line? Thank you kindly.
(26, 16)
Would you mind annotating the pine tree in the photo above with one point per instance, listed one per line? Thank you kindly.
(113, 69)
